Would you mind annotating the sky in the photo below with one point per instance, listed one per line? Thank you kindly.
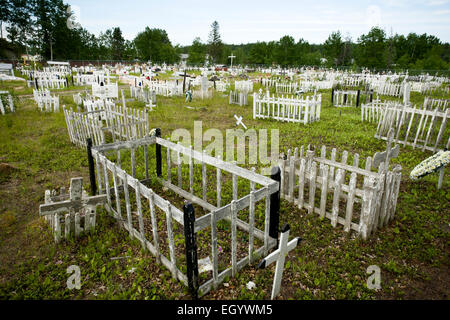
(264, 20)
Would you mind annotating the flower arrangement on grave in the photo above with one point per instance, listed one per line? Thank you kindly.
(431, 164)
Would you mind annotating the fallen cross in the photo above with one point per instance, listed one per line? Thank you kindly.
(239, 121)
(279, 256)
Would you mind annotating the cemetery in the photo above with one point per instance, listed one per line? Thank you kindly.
(96, 170)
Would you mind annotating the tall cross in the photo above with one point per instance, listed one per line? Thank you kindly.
(279, 256)
(385, 156)
(232, 57)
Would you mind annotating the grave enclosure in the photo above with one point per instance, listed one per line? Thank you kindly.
(347, 194)
(229, 219)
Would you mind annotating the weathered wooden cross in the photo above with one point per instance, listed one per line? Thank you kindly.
(231, 57)
(239, 121)
(279, 256)
(385, 156)
(77, 203)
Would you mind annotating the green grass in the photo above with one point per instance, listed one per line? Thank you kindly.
(412, 251)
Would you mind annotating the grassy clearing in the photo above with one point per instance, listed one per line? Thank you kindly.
(36, 154)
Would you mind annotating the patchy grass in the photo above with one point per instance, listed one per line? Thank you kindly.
(36, 154)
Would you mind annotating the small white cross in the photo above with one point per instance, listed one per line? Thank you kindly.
(279, 256)
(239, 121)
(231, 57)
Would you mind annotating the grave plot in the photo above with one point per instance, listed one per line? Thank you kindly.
(347, 194)
(165, 88)
(6, 101)
(388, 88)
(109, 91)
(351, 81)
(419, 128)
(286, 87)
(345, 98)
(239, 98)
(121, 123)
(45, 101)
(49, 80)
(144, 95)
(244, 85)
(209, 218)
(222, 86)
(372, 111)
(301, 110)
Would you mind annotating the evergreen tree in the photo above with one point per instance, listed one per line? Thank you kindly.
(215, 45)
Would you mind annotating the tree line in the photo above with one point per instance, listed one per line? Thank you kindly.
(41, 27)
(375, 50)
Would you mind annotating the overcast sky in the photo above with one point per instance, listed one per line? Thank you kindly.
(265, 20)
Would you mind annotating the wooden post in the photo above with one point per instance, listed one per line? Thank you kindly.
(357, 98)
(158, 154)
(275, 204)
(191, 249)
(91, 167)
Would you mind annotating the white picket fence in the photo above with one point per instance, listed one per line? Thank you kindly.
(6, 100)
(361, 200)
(49, 80)
(121, 122)
(346, 98)
(286, 87)
(372, 111)
(240, 98)
(222, 86)
(165, 88)
(431, 103)
(144, 95)
(388, 88)
(81, 127)
(110, 91)
(45, 101)
(88, 79)
(301, 110)
(351, 82)
(244, 85)
(420, 128)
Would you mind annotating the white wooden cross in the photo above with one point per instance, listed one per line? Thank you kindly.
(232, 57)
(386, 156)
(279, 256)
(76, 203)
(239, 121)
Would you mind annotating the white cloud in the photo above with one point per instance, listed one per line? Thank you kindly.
(441, 12)
(436, 2)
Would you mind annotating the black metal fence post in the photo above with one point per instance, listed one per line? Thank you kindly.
(91, 167)
(191, 249)
(158, 154)
(332, 96)
(275, 204)
(357, 98)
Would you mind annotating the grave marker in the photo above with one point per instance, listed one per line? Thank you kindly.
(279, 256)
